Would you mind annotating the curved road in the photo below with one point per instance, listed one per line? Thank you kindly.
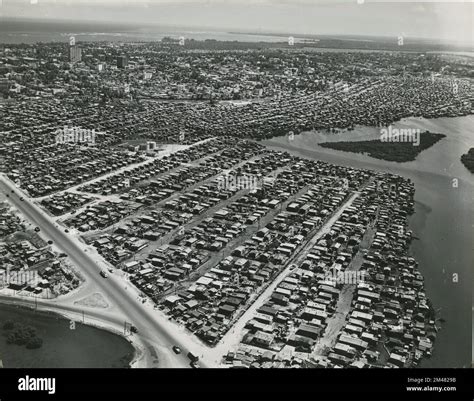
(50, 306)
(149, 330)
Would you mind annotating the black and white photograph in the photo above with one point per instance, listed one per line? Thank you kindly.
(236, 199)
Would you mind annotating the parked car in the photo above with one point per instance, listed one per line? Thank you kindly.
(104, 274)
(192, 357)
(176, 349)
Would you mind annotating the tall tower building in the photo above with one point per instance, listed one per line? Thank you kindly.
(75, 54)
(122, 61)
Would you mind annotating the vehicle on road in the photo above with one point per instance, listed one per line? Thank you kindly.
(192, 357)
(104, 274)
(37, 229)
(21, 198)
(195, 365)
(50, 242)
(133, 329)
(176, 349)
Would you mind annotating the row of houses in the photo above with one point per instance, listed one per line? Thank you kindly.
(65, 202)
(148, 229)
(137, 233)
(145, 172)
(101, 215)
(294, 317)
(59, 166)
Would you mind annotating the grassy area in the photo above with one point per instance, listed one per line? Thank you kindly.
(392, 151)
(468, 160)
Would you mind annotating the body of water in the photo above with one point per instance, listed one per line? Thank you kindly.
(443, 219)
(25, 33)
(83, 347)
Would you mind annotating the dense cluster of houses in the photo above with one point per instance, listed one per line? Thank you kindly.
(225, 288)
(65, 202)
(59, 166)
(386, 317)
(31, 270)
(9, 222)
(162, 178)
(101, 215)
(296, 313)
(202, 248)
(288, 91)
(371, 102)
(27, 267)
(144, 172)
(147, 230)
(237, 250)
(137, 233)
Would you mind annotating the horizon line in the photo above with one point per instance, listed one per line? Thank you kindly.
(231, 30)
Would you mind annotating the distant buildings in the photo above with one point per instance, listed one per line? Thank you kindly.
(75, 54)
(5, 84)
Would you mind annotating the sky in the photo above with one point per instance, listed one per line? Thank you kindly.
(447, 20)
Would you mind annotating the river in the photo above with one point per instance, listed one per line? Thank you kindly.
(443, 219)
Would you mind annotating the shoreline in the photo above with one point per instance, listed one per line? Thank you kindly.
(444, 247)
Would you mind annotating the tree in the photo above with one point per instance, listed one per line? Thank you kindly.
(21, 334)
(8, 325)
(34, 343)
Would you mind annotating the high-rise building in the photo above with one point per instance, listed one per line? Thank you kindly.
(122, 61)
(75, 54)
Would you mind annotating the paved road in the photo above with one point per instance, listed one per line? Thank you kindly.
(150, 331)
(94, 314)
(337, 321)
